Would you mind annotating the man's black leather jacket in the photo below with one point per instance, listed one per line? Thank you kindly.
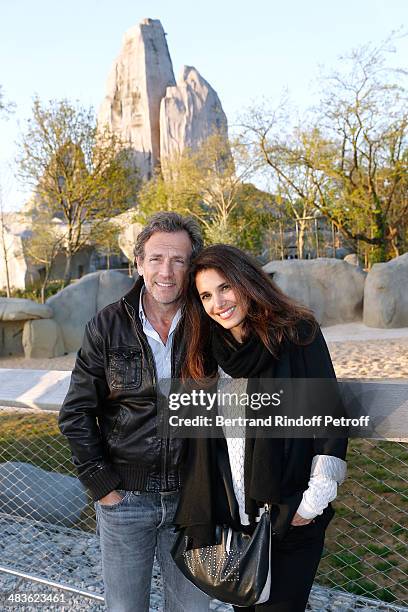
(110, 414)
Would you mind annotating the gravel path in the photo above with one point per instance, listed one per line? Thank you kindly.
(72, 557)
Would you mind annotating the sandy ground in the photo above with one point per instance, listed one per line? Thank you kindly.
(365, 352)
(357, 352)
(370, 359)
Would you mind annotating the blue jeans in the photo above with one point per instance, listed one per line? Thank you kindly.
(131, 531)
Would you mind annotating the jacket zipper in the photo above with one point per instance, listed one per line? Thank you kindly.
(155, 378)
(166, 422)
(165, 415)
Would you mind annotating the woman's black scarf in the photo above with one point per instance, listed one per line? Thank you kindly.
(263, 461)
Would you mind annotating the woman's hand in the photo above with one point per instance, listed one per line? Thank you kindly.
(299, 521)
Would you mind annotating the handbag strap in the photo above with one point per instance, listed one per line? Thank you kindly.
(229, 540)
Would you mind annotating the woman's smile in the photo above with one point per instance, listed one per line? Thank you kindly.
(226, 314)
(220, 301)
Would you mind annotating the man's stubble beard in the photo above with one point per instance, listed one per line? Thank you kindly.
(178, 298)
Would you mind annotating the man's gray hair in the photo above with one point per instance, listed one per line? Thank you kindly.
(170, 222)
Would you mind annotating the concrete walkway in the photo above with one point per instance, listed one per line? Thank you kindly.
(44, 389)
(358, 332)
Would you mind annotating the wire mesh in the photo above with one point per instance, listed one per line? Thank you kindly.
(366, 545)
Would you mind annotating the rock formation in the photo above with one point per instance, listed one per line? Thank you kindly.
(136, 85)
(15, 227)
(189, 113)
(146, 108)
(20, 309)
(15, 315)
(333, 289)
(79, 302)
(42, 339)
(386, 294)
(128, 232)
(35, 494)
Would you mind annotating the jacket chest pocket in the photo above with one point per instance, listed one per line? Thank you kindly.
(125, 367)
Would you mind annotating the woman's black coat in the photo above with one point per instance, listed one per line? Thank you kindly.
(207, 497)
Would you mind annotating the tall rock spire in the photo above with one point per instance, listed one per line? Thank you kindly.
(146, 108)
(189, 113)
(136, 85)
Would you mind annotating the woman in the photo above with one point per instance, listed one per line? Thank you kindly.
(237, 320)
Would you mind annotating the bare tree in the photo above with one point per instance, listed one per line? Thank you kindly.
(293, 182)
(349, 158)
(6, 107)
(364, 119)
(4, 246)
(210, 184)
(45, 243)
(105, 238)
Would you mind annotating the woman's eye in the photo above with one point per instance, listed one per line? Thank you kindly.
(204, 297)
(226, 288)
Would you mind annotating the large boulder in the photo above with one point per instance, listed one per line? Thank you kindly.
(127, 239)
(352, 259)
(42, 339)
(19, 309)
(79, 302)
(128, 231)
(331, 288)
(386, 294)
(31, 492)
(14, 313)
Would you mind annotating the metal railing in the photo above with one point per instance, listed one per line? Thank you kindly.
(47, 526)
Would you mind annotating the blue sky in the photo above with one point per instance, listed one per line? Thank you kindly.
(246, 50)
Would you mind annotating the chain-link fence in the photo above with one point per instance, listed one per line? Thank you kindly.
(367, 544)
(47, 524)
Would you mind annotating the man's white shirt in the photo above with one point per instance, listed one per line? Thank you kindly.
(161, 352)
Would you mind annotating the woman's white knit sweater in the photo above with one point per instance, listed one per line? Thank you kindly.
(326, 473)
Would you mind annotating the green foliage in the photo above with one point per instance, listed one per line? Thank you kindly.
(80, 173)
(104, 236)
(253, 218)
(46, 241)
(35, 293)
(209, 184)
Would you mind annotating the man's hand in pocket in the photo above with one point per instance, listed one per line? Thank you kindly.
(111, 498)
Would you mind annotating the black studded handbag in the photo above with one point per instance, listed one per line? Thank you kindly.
(235, 570)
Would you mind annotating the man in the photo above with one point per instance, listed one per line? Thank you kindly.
(111, 415)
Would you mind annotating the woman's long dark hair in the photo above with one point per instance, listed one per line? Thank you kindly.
(272, 315)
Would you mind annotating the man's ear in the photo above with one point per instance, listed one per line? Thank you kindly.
(139, 265)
